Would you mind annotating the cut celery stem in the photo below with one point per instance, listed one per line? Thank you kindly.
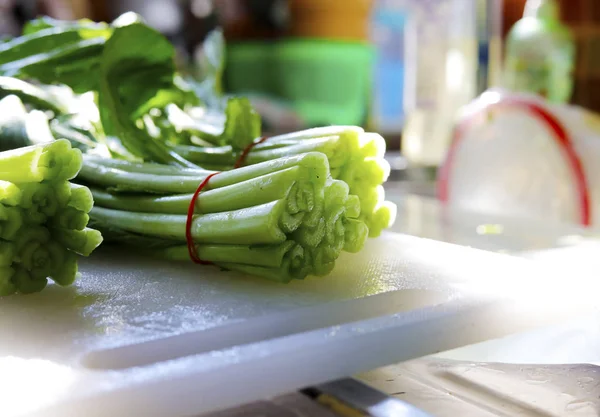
(11, 220)
(315, 166)
(26, 283)
(143, 167)
(10, 194)
(266, 256)
(6, 285)
(81, 198)
(70, 218)
(49, 161)
(7, 253)
(82, 242)
(248, 193)
(253, 225)
(40, 196)
(67, 272)
(22, 165)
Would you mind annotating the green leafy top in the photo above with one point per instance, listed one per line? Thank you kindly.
(242, 124)
(130, 70)
(137, 73)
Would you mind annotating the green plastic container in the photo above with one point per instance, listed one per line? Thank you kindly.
(249, 68)
(326, 82)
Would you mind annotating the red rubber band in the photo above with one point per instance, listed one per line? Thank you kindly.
(190, 214)
(190, 218)
(247, 150)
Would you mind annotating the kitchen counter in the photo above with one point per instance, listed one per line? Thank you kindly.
(420, 214)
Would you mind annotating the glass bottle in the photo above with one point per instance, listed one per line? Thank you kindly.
(540, 53)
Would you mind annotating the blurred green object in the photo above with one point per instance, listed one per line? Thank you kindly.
(326, 82)
(540, 53)
(250, 68)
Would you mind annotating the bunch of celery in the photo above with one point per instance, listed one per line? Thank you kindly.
(150, 137)
(355, 157)
(282, 219)
(43, 217)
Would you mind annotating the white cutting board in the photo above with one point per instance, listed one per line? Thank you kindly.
(144, 337)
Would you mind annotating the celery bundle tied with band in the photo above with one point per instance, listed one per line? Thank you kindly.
(149, 135)
(43, 217)
(355, 157)
(281, 219)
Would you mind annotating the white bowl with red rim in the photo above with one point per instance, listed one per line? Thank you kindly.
(518, 155)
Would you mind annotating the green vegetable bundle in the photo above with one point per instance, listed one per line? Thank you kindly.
(355, 157)
(282, 219)
(43, 217)
(150, 135)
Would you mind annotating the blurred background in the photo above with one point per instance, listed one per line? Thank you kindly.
(404, 68)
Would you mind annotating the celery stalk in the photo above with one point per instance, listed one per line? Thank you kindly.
(143, 167)
(80, 198)
(50, 161)
(315, 168)
(70, 218)
(11, 220)
(10, 194)
(26, 283)
(66, 273)
(259, 255)
(6, 285)
(82, 242)
(41, 195)
(22, 165)
(253, 225)
(247, 193)
(7, 253)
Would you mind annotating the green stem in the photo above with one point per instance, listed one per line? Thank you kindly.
(82, 242)
(266, 256)
(10, 194)
(60, 160)
(11, 220)
(296, 264)
(51, 161)
(314, 169)
(316, 132)
(81, 198)
(249, 193)
(146, 168)
(27, 241)
(355, 236)
(222, 155)
(253, 225)
(42, 196)
(26, 283)
(382, 218)
(66, 273)
(6, 285)
(7, 253)
(22, 165)
(70, 218)
(62, 192)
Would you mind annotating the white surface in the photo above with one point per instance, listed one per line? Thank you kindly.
(567, 249)
(216, 339)
(466, 389)
(426, 217)
(574, 342)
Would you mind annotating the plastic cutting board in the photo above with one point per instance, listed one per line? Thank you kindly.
(144, 337)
